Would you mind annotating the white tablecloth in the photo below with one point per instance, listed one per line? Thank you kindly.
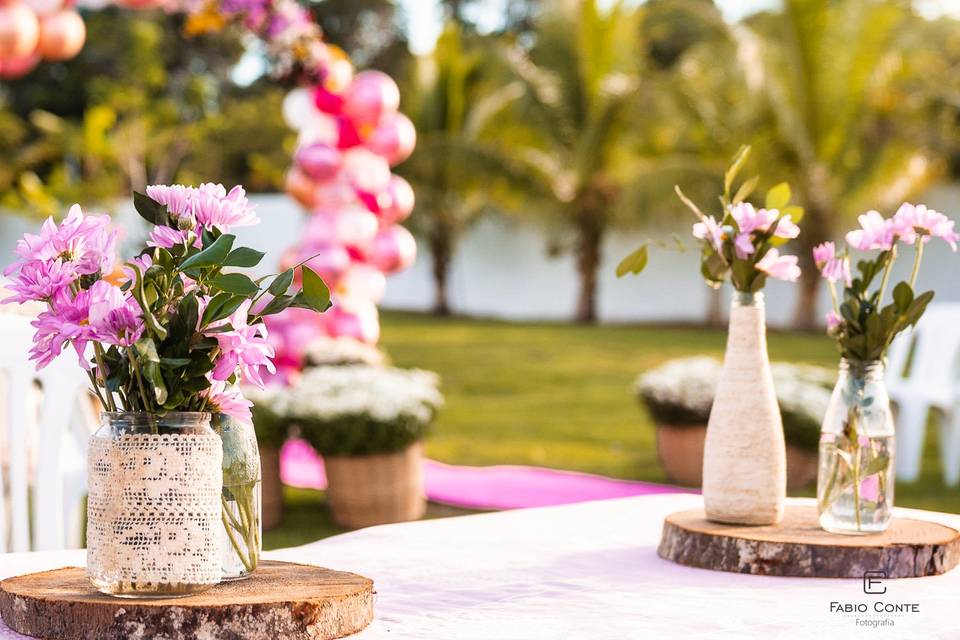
(587, 571)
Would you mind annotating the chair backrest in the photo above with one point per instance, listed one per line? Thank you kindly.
(928, 355)
(45, 419)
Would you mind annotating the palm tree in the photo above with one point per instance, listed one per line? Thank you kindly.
(571, 124)
(831, 120)
(452, 96)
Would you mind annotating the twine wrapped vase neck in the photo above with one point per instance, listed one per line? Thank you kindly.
(744, 461)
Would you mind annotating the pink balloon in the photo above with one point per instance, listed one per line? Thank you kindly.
(396, 203)
(19, 30)
(362, 281)
(393, 249)
(18, 67)
(318, 161)
(62, 35)
(329, 261)
(327, 101)
(359, 321)
(394, 138)
(371, 95)
(352, 226)
(366, 170)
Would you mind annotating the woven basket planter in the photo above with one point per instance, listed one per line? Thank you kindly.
(680, 449)
(376, 489)
(272, 488)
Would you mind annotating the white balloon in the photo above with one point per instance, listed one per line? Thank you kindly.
(298, 108)
(356, 227)
(366, 170)
(362, 281)
(44, 7)
(319, 127)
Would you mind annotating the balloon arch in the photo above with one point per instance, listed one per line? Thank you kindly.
(350, 133)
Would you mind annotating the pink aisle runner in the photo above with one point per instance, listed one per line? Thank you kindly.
(496, 487)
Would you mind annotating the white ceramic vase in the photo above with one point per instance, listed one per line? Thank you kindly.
(744, 458)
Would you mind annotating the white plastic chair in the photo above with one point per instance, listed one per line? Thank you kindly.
(922, 371)
(46, 418)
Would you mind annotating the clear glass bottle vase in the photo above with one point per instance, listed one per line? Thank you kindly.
(857, 445)
(240, 501)
(153, 508)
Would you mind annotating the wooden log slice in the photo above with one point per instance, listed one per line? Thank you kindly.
(799, 547)
(280, 600)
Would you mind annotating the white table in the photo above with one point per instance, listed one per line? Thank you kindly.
(586, 571)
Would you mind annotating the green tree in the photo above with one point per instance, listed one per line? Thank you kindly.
(142, 103)
(587, 127)
(825, 79)
(452, 96)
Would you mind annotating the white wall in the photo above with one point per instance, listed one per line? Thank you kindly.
(502, 270)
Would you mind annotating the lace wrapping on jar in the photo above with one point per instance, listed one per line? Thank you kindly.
(154, 508)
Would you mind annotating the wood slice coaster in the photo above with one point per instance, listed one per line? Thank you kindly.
(799, 547)
(280, 600)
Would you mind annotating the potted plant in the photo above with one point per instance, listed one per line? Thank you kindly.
(744, 461)
(165, 342)
(679, 395)
(857, 444)
(368, 423)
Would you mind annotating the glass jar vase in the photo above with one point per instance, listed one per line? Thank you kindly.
(857, 446)
(240, 501)
(153, 510)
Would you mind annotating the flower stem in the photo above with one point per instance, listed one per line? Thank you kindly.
(918, 256)
(886, 275)
(136, 373)
(102, 371)
(833, 296)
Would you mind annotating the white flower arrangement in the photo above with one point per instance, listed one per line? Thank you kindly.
(680, 392)
(385, 394)
(360, 409)
(341, 351)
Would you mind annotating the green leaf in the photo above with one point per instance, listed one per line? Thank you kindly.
(149, 319)
(315, 293)
(745, 190)
(150, 210)
(902, 296)
(634, 263)
(147, 349)
(236, 283)
(212, 256)
(277, 305)
(175, 362)
(738, 161)
(220, 307)
(151, 371)
(281, 283)
(244, 257)
(778, 197)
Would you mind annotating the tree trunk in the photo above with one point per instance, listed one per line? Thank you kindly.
(820, 219)
(590, 231)
(441, 251)
(817, 227)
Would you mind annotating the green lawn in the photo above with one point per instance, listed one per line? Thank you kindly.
(560, 395)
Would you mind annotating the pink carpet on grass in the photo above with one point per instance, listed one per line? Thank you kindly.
(497, 487)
